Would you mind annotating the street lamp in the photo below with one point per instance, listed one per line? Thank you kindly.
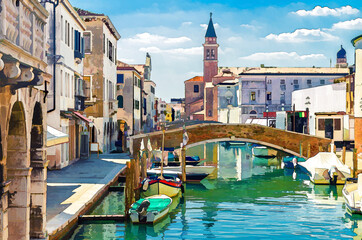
(307, 104)
(267, 115)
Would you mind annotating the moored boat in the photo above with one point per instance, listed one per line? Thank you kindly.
(326, 168)
(156, 185)
(150, 209)
(352, 194)
(193, 173)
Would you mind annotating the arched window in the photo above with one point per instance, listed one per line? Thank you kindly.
(120, 101)
(212, 53)
(207, 53)
(253, 112)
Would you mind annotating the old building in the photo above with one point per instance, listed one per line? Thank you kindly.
(341, 58)
(23, 121)
(100, 69)
(194, 97)
(66, 91)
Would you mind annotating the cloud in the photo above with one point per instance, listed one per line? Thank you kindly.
(303, 35)
(127, 60)
(248, 26)
(326, 11)
(175, 51)
(204, 26)
(355, 24)
(184, 24)
(265, 56)
(235, 39)
(147, 38)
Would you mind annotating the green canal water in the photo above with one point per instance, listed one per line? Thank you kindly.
(245, 198)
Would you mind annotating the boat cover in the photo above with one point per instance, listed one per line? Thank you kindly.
(324, 160)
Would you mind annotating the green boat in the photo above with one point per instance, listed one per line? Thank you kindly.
(150, 209)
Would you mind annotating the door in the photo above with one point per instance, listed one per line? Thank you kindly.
(328, 128)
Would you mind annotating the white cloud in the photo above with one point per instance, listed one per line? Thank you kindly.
(186, 24)
(235, 39)
(127, 60)
(265, 56)
(175, 51)
(248, 26)
(355, 24)
(303, 35)
(147, 38)
(326, 11)
(204, 26)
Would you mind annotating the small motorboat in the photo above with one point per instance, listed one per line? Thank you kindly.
(156, 185)
(352, 194)
(291, 162)
(190, 160)
(150, 209)
(326, 168)
(264, 152)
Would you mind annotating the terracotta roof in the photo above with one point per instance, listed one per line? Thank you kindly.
(196, 79)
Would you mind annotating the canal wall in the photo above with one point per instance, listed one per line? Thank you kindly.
(87, 183)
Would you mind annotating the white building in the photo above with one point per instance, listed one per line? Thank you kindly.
(150, 88)
(67, 61)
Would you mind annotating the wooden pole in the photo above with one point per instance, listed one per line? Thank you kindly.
(137, 171)
(329, 148)
(163, 147)
(308, 151)
(301, 149)
(320, 148)
(334, 149)
(183, 163)
(354, 162)
(344, 155)
(128, 190)
(144, 166)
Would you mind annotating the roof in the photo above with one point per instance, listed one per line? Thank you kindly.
(196, 79)
(356, 39)
(55, 137)
(210, 32)
(341, 53)
(202, 112)
(89, 16)
(295, 71)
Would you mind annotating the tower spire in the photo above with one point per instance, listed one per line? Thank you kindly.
(210, 32)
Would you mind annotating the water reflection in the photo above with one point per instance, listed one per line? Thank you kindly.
(250, 197)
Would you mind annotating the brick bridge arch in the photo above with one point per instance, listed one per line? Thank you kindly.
(212, 132)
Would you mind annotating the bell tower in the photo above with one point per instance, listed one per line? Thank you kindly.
(210, 52)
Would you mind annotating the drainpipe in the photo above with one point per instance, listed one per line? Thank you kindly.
(55, 4)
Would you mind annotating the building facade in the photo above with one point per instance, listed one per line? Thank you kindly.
(100, 68)
(23, 121)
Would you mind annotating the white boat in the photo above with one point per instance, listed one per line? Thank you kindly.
(150, 209)
(352, 194)
(326, 168)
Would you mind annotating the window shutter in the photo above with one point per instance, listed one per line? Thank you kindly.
(82, 49)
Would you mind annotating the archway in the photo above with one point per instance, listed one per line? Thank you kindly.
(38, 175)
(18, 172)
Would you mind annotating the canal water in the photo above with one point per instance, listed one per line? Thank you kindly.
(247, 198)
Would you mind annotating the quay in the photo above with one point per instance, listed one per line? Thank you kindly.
(73, 190)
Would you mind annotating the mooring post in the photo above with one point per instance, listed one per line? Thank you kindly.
(301, 149)
(320, 148)
(144, 166)
(137, 170)
(344, 155)
(128, 190)
(354, 162)
(183, 163)
(329, 148)
(308, 151)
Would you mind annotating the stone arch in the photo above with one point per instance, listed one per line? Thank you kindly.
(38, 175)
(18, 172)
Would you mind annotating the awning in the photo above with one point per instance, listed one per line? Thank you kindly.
(55, 137)
(87, 120)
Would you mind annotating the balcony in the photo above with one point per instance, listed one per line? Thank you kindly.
(112, 106)
(22, 43)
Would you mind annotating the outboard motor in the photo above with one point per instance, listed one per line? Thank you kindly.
(142, 210)
(333, 175)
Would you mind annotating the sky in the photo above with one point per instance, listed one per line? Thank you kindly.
(250, 33)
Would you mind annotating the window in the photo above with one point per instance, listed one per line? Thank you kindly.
(144, 106)
(337, 124)
(309, 82)
(137, 104)
(295, 81)
(135, 81)
(252, 96)
(110, 51)
(78, 45)
(269, 81)
(68, 35)
(120, 101)
(72, 39)
(282, 98)
(104, 43)
(296, 86)
(322, 82)
(196, 88)
(210, 113)
(321, 125)
(212, 53)
(152, 90)
(66, 32)
(61, 83)
(207, 53)
(120, 78)
(269, 96)
(139, 83)
(87, 42)
(282, 81)
(62, 27)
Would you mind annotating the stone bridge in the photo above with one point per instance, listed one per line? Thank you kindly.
(290, 142)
